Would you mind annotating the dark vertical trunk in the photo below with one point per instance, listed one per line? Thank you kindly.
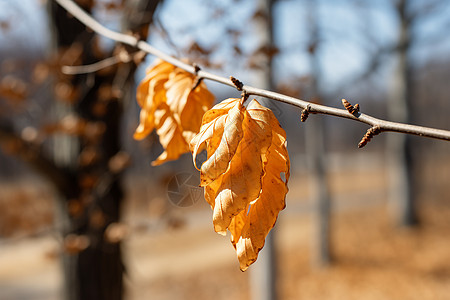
(94, 272)
(99, 268)
(92, 262)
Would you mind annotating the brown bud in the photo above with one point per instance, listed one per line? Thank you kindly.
(239, 85)
(304, 115)
(371, 132)
(350, 108)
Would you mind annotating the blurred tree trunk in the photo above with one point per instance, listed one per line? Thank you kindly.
(92, 261)
(399, 150)
(263, 276)
(315, 151)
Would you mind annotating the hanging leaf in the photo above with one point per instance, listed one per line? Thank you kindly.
(250, 228)
(233, 132)
(212, 128)
(170, 136)
(242, 175)
(150, 94)
(170, 106)
(187, 105)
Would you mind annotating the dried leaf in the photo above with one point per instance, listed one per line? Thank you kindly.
(251, 226)
(170, 136)
(212, 128)
(150, 93)
(242, 175)
(171, 107)
(74, 244)
(233, 132)
(119, 162)
(187, 105)
(13, 88)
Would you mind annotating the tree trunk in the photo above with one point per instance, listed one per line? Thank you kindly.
(263, 273)
(316, 154)
(94, 272)
(92, 261)
(400, 164)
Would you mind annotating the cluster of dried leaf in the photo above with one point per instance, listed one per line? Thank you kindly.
(247, 168)
(170, 106)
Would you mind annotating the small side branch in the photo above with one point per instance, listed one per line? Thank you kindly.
(122, 57)
(92, 68)
(32, 154)
(383, 125)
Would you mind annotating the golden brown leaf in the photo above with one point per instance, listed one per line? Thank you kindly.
(171, 107)
(170, 136)
(150, 93)
(211, 131)
(233, 132)
(187, 105)
(13, 88)
(251, 226)
(241, 183)
(242, 180)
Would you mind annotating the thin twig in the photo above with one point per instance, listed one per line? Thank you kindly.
(37, 159)
(86, 19)
(92, 68)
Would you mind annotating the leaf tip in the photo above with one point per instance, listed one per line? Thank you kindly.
(243, 268)
(222, 232)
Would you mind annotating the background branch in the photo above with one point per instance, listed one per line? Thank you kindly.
(33, 155)
(84, 69)
(383, 125)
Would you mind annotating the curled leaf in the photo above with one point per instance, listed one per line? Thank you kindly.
(149, 95)
(242, 176)
(212, 128)
(218, 162)
(170, 106)
(251, 226)
(170, 136)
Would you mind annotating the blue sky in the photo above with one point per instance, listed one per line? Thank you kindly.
(346, 29)
(27, 25)
(352, 33)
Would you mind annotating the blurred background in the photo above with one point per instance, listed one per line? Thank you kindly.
(83, 214)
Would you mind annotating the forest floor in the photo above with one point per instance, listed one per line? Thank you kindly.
(173, 253)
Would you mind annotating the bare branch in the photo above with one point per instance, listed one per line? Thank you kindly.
(249, 90)
(122, 57)
(92, 68)
(426, 10)
(32, 154)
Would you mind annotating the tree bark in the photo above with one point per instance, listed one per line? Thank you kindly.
(399, 150)
(315, 150)
(94, 270)
(263, 274)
